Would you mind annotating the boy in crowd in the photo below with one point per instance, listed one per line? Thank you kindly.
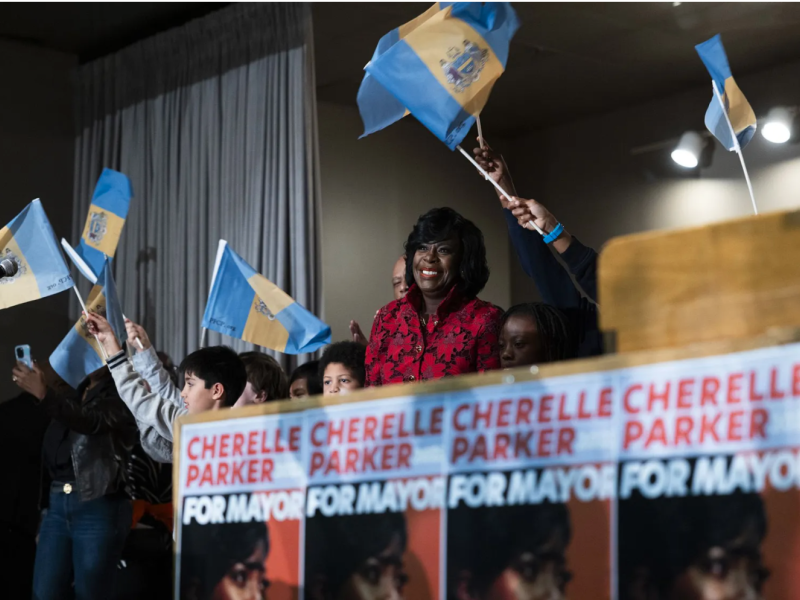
(342, 368)
(305, 381)
(214, 378)
(266, 381)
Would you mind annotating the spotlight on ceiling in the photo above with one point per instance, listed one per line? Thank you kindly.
(687, 153)
(778, 128)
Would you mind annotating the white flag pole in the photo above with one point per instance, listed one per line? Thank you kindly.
(494, 183)
(480, 131)
(220, 251)
(736, 145)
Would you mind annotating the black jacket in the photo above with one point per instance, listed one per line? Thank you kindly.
(556, 286)
(102, 433)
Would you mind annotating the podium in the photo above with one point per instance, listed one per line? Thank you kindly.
(732, 280)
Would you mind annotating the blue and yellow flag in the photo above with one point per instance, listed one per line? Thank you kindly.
(79, 353)
(246, 305)
(29, 242)
(378, 107)
(740, 113)
(106, 218)
(440, 67)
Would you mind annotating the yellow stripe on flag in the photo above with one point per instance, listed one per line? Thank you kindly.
(440, 41)
(22, 287)
(103, 230)
(407, 28)
(739, 110)
(96, 303)
(262, 327)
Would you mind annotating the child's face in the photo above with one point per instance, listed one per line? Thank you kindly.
(298, 389)
(520, 344)
(196, 398)
(338, 379)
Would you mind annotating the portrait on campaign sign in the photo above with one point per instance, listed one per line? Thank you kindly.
(694, 544)
(379, 551)
(241, 546)
(240, 524)
(529, 543)
(666, 481)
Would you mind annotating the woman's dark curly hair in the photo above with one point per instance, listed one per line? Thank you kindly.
(437, 225)
(351, 354)
(336, 547)
(209, 551)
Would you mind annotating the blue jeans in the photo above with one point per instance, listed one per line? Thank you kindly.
(80, 538)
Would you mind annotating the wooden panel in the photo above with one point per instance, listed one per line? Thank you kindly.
(725, 281)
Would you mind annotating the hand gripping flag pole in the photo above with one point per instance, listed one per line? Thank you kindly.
(87, 272)
(495, 184)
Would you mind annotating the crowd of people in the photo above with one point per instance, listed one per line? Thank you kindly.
(123, 415)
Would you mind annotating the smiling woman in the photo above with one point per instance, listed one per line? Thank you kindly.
(440, 327)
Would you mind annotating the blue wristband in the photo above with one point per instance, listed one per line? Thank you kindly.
(553, 235)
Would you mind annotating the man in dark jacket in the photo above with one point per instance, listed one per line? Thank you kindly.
(85, 451)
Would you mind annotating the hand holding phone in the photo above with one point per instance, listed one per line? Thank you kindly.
(23, 355)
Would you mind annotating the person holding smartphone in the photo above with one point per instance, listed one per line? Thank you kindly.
(85, 450)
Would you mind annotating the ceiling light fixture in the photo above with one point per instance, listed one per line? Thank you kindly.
(687, 153)
(778, 128)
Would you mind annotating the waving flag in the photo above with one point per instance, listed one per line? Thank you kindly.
(440, 67)
(79, 353)
(739, 112)
(106, 218)
(378, 107)
(246, 305)
(28, 241)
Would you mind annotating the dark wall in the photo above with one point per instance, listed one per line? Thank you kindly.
(36, 161)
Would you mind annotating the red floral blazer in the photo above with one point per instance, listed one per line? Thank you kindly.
(460, 338)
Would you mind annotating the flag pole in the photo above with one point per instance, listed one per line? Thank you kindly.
(218, 259)
(736, 145)
(86, 312)
(494, 183)
(87, 272)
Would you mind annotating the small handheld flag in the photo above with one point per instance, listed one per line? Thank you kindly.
(729, 117)
(738, 119)
(440, 67)
(79, 353)
(28, 242)
(106, 218)
(86, 272)
(246, 305)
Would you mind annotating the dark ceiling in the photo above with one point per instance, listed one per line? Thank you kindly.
(574, 59)
(567, 60)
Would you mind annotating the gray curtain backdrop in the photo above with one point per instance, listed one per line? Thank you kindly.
(215, 125)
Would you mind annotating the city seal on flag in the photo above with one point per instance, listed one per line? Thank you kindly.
(262, 308)
(21, 268)
(98, 225)
(464, 66)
